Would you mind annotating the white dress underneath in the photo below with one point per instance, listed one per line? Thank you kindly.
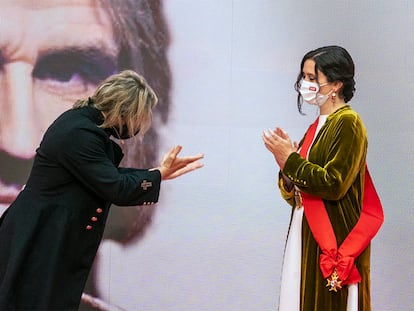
(291, 272)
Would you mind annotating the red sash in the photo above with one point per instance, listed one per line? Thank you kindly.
(341, 260)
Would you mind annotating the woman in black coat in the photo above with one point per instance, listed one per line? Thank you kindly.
(50, 235)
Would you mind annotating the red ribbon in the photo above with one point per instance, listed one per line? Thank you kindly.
(358, 239)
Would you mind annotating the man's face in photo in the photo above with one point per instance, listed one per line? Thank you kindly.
(51, 54)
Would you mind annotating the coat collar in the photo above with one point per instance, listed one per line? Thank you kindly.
(95, 115)
(338, 111)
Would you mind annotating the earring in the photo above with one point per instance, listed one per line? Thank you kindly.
(333, 98)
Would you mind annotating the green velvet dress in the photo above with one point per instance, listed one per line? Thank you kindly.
(335, 172)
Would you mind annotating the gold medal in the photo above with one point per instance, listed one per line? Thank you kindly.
(334, 282)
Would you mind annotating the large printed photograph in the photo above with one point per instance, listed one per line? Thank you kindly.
(56, 52)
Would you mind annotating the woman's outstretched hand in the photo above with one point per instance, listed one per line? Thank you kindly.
(172, 166)
(279, 144)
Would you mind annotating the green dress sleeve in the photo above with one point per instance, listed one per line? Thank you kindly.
(334, 161)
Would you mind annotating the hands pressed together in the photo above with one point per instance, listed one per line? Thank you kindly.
(172, 166)
(279, 144)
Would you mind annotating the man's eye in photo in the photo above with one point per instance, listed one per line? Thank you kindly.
(91, 66)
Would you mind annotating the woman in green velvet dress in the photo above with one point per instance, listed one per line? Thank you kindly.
(327, 256)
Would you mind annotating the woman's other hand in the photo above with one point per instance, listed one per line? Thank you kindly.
(279, 144)
(173, 166)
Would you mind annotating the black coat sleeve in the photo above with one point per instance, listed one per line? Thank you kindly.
(88, 161)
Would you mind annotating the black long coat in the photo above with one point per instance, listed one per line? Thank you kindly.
(50, 235)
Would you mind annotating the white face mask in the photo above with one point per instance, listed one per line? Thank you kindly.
(310, 93)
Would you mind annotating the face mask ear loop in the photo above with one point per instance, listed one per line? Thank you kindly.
(319, 87)
(331, 93)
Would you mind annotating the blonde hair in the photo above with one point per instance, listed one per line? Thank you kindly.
(125, 99)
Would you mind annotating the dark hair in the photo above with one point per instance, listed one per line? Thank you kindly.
(336, 64)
